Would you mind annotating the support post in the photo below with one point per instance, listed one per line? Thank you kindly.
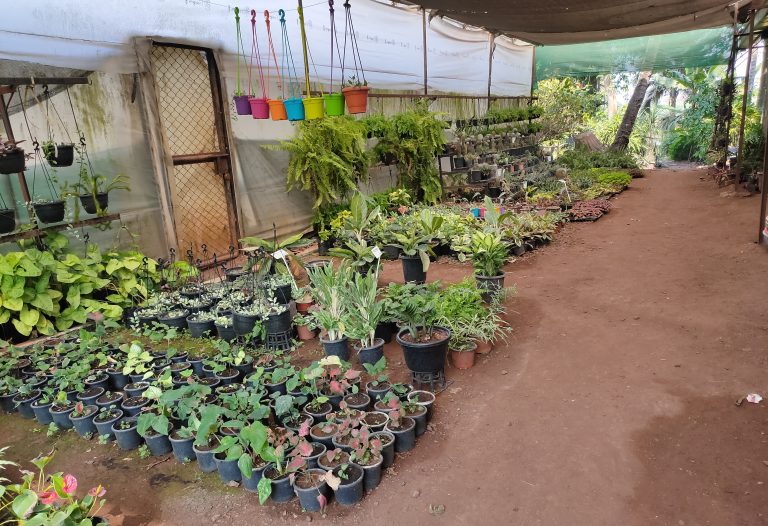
(745, 99)
(424, 44)
(9, 132)
(533, 70)
(491, 48)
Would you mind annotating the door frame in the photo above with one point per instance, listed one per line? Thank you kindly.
(222, 159)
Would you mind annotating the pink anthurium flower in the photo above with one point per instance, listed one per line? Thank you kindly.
(70, 484)
(48, 497)
(98, 491)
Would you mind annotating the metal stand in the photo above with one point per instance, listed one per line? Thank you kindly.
(279, 341)
(432, 381)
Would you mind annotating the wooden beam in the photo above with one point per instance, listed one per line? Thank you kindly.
(5, 117)
(42, 81)
(193, 158)
(36, 232)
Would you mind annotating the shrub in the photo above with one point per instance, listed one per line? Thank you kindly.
(582, 159)
(617, 178)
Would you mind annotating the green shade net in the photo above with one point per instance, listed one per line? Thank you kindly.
(702, 47)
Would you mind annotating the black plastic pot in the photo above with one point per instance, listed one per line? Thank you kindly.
(318, 414)
(276, 388)
(243, 324)
(338, 348)
(324, 246)
(425, 399)
(197, 364)
(52, 212)
(228, 469)
(474, 176)
(371, 354)
(135, 389)
(84, 425)
(228, 376)
(518, 250)
(183, 451)
(110, 398)
(127, 439)
(282, 489)
(278, 323)
(89, 204)
(350, 490)
(283, 294)
(42, 412)
(62, 155)
(490, 286)
(225, 333)
(99, 380)
(359, 401)
(132, 406)
(308, 496)
(90, 395)
(385, 330)
(425, 357)
(420, 419)
(246, 367)
(388, 447)
(158, 444)
(318, 450)
(104, 427)
(24, 403)
(405, 435)
(252, 483)
(12, 162)
(60, 416)
(377, 392)
(375, 421)
(198, 329)
(6, 403)
(327, 441)
(391, 252)
(493, 191)
(413, 270)
(372, 474)
(205, 461)
(179, 322)
(7, 220)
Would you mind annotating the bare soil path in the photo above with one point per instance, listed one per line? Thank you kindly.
(613, 403)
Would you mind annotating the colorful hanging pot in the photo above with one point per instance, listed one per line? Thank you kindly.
(294, 107)
(277, 110)
(356, 93)
(276, 107)
(259, 105)
(356, 98)
(242, 107)
(334, 104)
(313, 108)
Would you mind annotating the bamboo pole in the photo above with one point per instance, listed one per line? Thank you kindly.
(424, 44)
(304, 46)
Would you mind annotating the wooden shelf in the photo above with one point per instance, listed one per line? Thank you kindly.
(36, 232)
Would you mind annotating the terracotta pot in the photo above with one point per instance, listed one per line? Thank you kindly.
(463, 359)
(303, 308)
(305, 333)
(357, 98)
(483, 347)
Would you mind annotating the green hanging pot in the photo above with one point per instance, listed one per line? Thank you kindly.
(334, 104)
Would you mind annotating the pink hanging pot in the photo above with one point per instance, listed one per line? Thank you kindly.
(259, 107)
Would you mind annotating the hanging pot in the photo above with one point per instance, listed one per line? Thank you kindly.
(277, 110)
(12, 162)
(90, 205)
(61, 155)
(51, 212)
(313, 108)
(7, 220)
(294, 108)
(242, 106)
(356, 98)
(259, 108)
(334, 104)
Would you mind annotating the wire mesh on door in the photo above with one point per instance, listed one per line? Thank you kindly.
(202, 208)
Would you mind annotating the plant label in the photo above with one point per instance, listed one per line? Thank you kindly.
(280, 254)
(376, 251)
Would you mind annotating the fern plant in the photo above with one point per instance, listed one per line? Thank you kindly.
(327, 158)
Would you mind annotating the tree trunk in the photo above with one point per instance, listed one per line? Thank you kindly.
(673, 97)
(630, 115)
(610, 95)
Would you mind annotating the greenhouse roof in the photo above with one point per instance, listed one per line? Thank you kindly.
(702, 47)
(553, 22)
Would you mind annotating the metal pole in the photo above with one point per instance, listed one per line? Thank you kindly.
(491, 45)
(533, 69)
(304, 47)
(745, 99)
(424, 44)
(763, 185)
(9, 132)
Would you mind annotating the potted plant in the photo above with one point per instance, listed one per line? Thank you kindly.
(12, 158)
(355, 94)
(489, 253)
(58, 155)
(201, 324)
(364, 313)
(330, 313)
(416, 246)
(94, 190)
(366, 453)
(424, 343)
(403, 427)
(7, 218)
(52, 210)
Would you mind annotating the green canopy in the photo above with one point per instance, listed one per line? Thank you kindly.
(701, 47)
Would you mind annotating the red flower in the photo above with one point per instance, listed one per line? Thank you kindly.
(70, 484)
(48, 497)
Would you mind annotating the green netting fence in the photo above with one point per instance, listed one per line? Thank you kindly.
(702, 47)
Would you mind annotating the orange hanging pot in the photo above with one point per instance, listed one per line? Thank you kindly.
(356, 98)
(277, 110)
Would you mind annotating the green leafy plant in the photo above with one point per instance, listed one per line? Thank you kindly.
(330, 313)
(364, 311)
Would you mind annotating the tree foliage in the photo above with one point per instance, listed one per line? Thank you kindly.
(566, 105)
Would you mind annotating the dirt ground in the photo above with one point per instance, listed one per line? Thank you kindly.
(612, 404)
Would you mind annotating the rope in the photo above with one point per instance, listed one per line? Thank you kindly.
(272, 49)
(240, 48)
(353, 39)
(255, 47)
(287, 57)
(81, 135)
(38, 158)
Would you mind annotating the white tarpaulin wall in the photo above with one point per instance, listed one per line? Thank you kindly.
(97, 35)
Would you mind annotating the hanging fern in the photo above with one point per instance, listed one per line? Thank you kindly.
(328, 158)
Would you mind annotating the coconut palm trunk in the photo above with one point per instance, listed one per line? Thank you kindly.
(630, 115)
